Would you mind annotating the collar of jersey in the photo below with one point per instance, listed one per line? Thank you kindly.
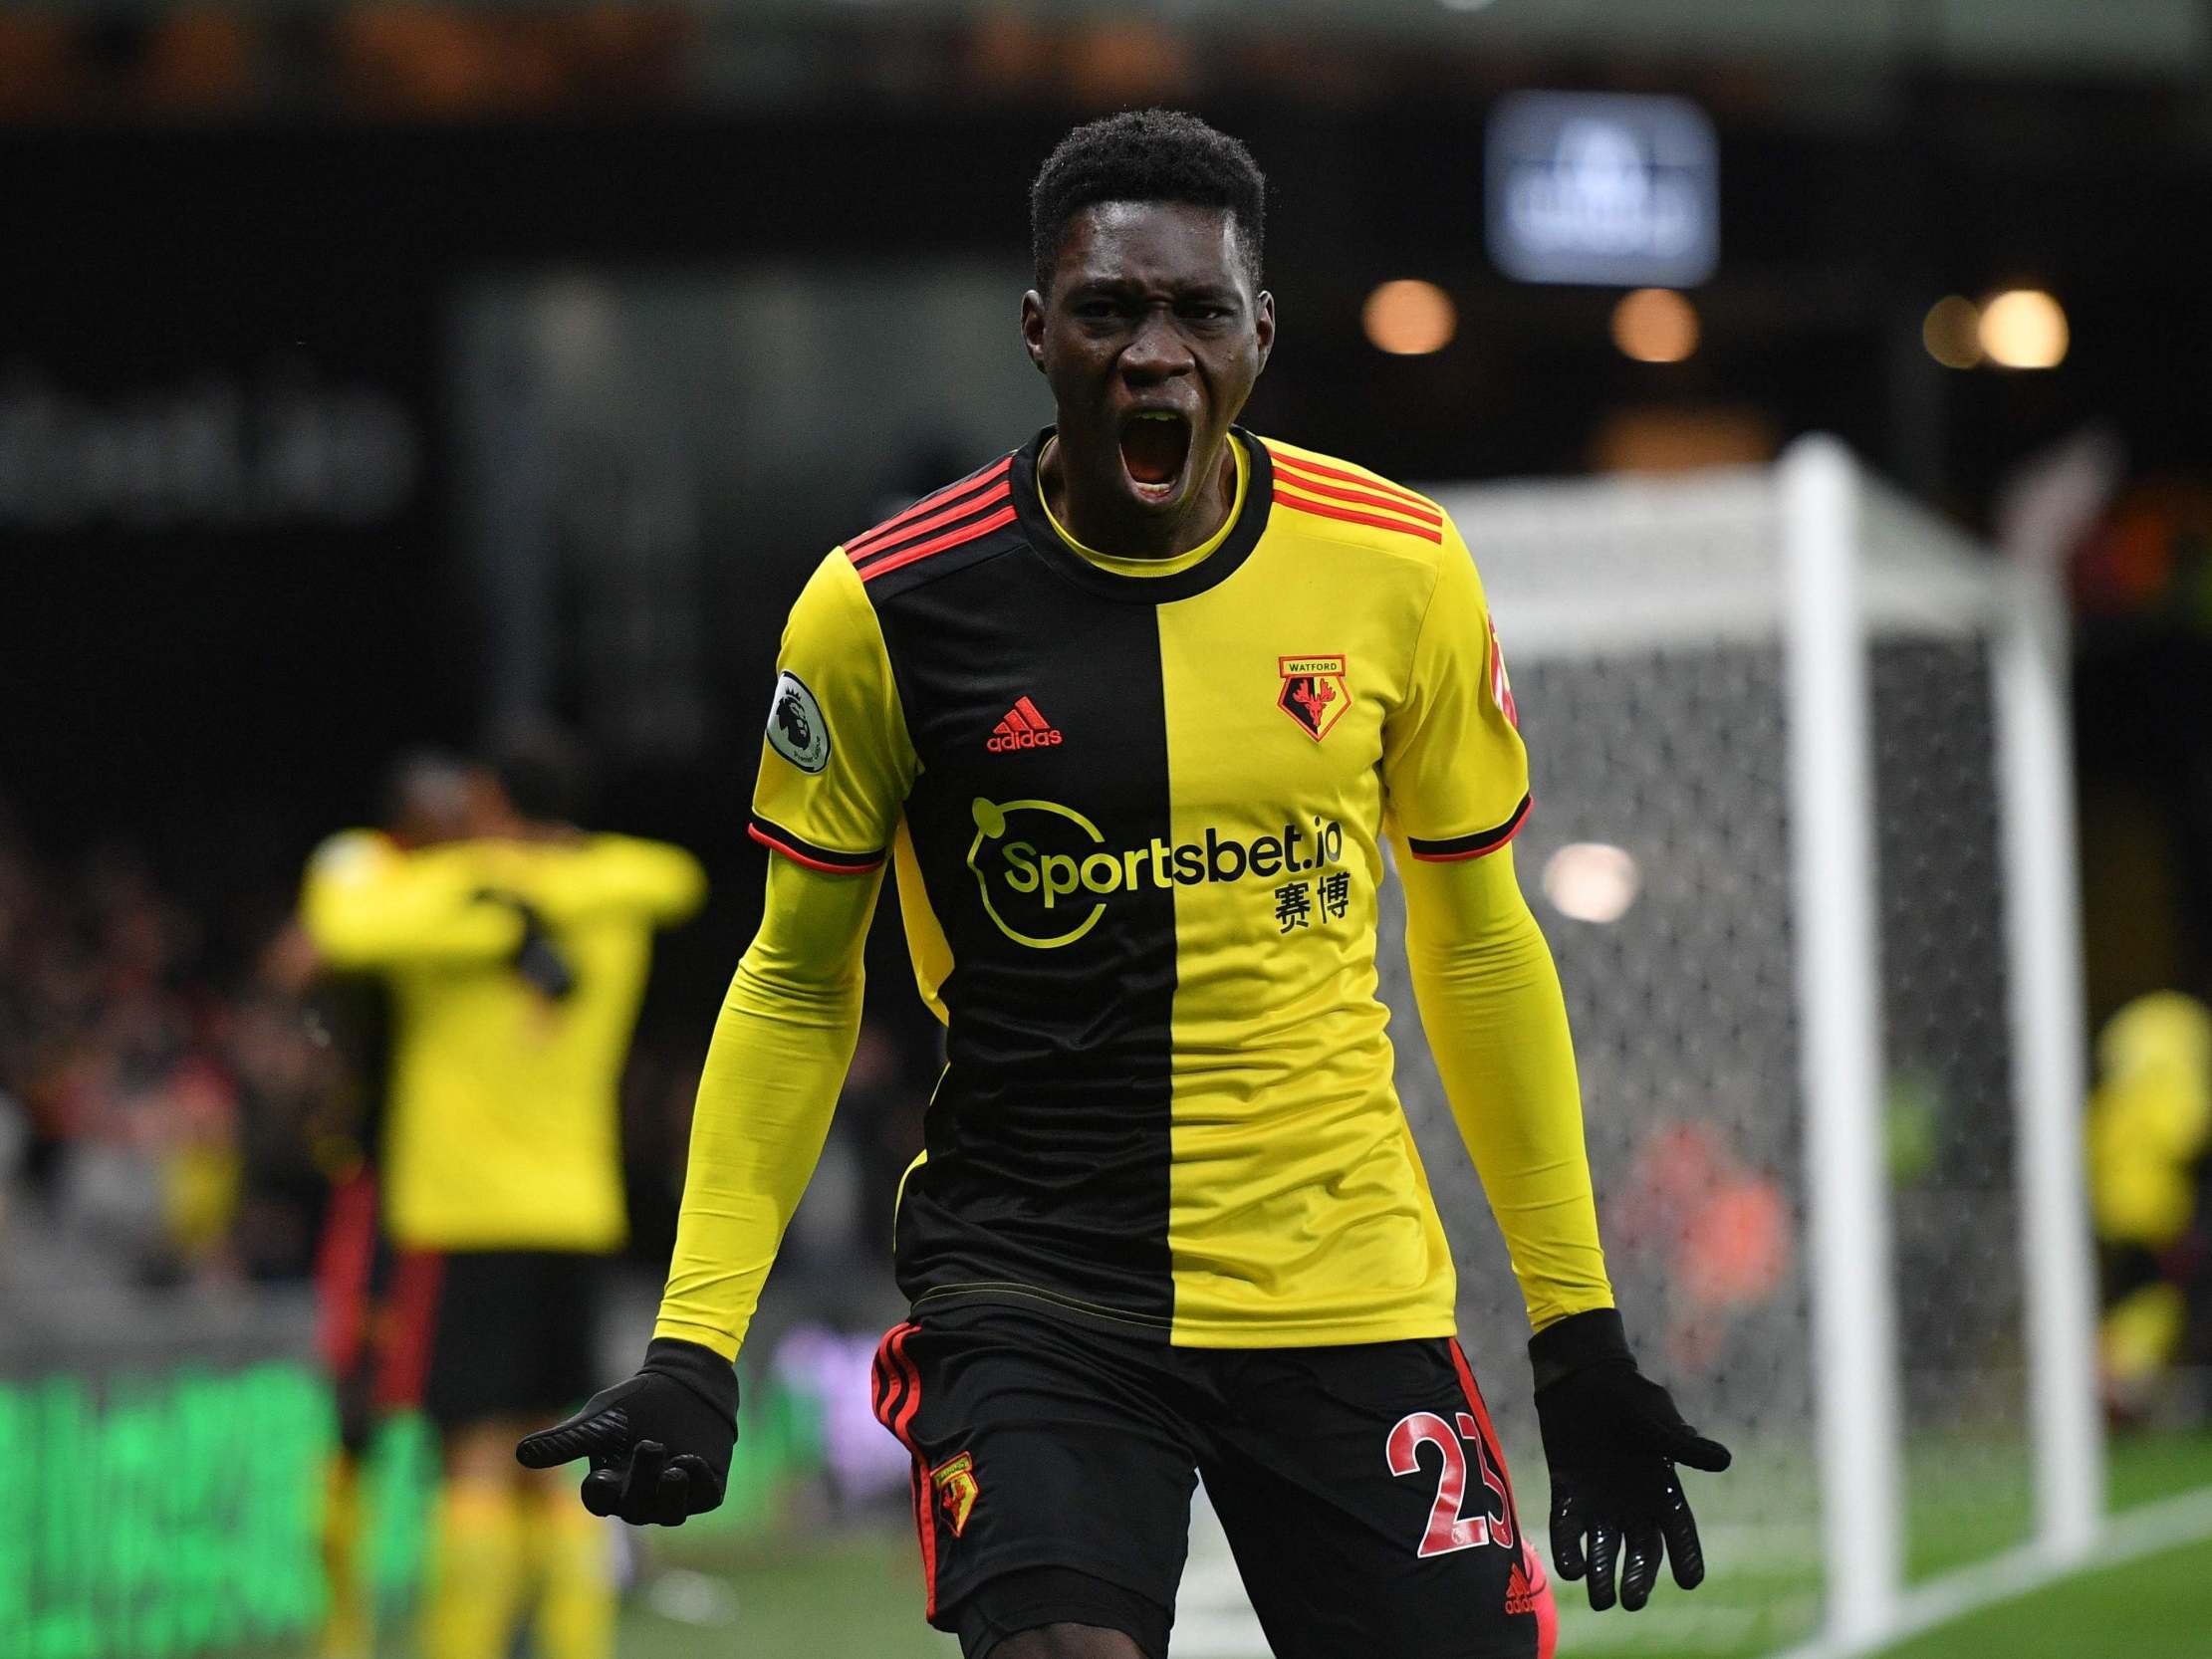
(1151, 570)
(1233, 545)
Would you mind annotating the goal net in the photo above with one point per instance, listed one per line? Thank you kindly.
(1802, 846)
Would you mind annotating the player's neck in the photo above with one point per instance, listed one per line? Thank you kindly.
(1108, 527)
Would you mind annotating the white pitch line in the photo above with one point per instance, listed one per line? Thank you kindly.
(2128, 1536)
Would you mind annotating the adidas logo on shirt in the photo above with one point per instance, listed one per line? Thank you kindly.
(1023, 728)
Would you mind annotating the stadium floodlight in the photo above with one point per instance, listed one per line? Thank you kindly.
(2023, 328)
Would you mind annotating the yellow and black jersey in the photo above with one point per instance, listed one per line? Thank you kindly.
(352, 1009)
(502, 1129)
(1136, 821)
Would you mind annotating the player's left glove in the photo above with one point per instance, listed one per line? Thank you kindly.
(1612, 1438)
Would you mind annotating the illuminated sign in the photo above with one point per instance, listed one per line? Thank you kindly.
(225, 450)
(173, 1515)
(1610, 188)
(179, 1516)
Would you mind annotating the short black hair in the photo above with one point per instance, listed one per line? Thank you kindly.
(1146, 155)
(425, 795)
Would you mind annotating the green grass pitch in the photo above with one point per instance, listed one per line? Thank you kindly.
(860, 1597)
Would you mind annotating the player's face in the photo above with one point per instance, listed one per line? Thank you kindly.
(1151, 338)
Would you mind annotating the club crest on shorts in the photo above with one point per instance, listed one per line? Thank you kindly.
(956, 1490)
(1314, 692)
(795, 729)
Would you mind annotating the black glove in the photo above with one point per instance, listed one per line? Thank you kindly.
(1612, 1438)
(537, 959)
(660, 1444)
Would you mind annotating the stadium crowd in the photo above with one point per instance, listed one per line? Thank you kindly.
(174, 1106)
(159, 1113)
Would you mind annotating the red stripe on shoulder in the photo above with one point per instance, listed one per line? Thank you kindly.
(1298, 463)
(903, 524)
(907, 535)
(894, 560)
(1362, 497)
(1323, 509)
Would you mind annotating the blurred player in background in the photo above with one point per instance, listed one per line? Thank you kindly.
(516, 960)
(1134, 708)
(363, 1288)
(2150, 1169)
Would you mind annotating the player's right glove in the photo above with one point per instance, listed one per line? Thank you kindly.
(1612, 1438)
(660, 1444)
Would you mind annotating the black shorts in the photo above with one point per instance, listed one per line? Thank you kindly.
(1362, 1488)
(514, 1333)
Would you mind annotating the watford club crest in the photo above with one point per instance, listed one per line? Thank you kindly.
(1314, 692)
(957, 1490)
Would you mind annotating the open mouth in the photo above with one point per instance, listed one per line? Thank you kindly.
(1155, 443)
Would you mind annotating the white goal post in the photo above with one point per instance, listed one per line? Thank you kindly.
(1835, 1000)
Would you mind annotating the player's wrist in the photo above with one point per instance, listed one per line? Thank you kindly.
(1579, 1342)
(699, 1370)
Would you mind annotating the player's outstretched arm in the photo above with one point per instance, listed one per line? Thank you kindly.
(624, 873)
(660, 1444)
(366, 907)
(1496, 1020)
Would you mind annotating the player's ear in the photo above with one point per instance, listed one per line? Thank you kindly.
(1263, 324)
(1033, 328)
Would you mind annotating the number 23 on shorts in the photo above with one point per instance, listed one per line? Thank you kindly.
(1449, 1527)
